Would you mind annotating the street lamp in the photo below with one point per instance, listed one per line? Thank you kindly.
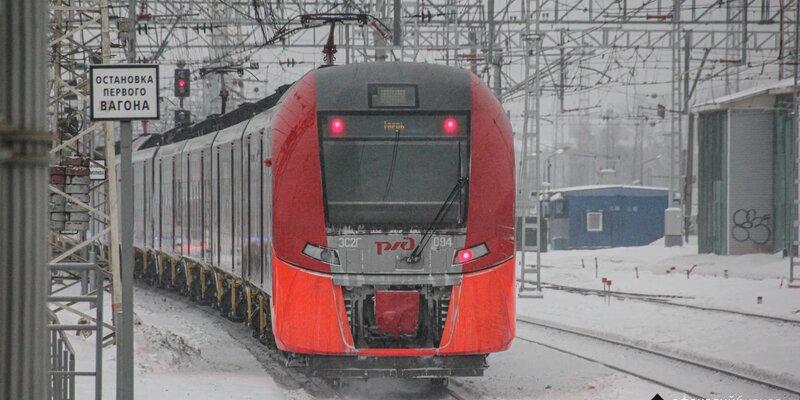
(549, 164)
(641, 168)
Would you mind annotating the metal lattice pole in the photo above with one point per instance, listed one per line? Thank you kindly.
(794, 262)
(532, 117)
(24, 144)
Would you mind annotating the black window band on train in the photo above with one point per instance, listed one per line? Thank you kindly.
(393, 170)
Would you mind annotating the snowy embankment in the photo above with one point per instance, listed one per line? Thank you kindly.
(183, 351)
(753, 284)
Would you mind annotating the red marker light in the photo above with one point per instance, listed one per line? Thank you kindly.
(464, 256)
(337, 127)
(473, 253)
(450, 125)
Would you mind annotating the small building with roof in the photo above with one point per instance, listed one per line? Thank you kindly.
(606, 216)
(746, 168)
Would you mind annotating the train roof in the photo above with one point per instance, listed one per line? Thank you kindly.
(143, 154)
(231, 133)
(216, 122)
(171, 149)
(200, 142)
(438, 87)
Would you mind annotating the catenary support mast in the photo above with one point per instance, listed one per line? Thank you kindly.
(125, 309)
(24, 144)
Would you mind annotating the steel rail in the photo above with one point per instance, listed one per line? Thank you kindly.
(612, 367)
(732, 374)
(663, 300)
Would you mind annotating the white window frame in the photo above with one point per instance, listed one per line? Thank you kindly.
(589, 227)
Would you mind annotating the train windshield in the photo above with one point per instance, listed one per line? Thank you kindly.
(394, 171)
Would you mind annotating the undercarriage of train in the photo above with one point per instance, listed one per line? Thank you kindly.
(239, 301)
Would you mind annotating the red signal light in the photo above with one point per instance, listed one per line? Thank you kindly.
(337, 126)
(181, 83)
(450, 126)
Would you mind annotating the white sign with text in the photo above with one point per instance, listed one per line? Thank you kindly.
(124, 92)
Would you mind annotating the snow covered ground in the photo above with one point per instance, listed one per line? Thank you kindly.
(184, 351)
(753, 346)
(662, 270)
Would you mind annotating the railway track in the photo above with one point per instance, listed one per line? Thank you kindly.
(665, 300)
(457, 391)
(693, 378)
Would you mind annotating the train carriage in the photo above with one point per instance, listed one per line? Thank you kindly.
(361, 221)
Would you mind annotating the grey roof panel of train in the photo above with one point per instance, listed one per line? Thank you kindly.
(439, 88)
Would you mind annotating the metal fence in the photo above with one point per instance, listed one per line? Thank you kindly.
(62, 363)
(62, 354)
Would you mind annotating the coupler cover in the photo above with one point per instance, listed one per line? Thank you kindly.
(397, 312)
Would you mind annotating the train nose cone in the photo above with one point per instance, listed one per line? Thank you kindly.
(397, 312)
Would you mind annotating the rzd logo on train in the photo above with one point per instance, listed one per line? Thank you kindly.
(406, 244)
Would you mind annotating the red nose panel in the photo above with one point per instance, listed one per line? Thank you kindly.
(397, 312)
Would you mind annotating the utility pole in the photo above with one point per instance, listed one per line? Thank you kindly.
(794, 262)
(689, 177)
(532, 98)
(637, 150)
(538, 123)
(607, 117)
(397, 28)
(379, 41)
(124, 311)
(473, 52)
(675, 211)
(24, 145)
(223, 93)
(497, 64)
(490, 50)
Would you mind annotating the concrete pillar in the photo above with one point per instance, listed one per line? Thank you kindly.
(24, 145)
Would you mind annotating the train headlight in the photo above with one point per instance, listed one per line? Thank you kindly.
(324, 254)
(464, 256)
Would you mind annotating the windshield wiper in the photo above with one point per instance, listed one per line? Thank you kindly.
(392, 166)
(415, 255)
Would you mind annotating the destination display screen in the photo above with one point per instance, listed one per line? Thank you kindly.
(392, 96)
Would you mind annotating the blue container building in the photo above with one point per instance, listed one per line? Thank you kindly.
(606, 216)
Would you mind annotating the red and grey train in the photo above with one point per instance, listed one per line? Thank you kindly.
(361, 220)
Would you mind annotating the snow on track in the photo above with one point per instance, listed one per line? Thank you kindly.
(661, 299)
(746, 345)
(731, 312)
(532, 371)
(696, 379)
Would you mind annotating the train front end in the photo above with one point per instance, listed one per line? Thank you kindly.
(393, 220)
